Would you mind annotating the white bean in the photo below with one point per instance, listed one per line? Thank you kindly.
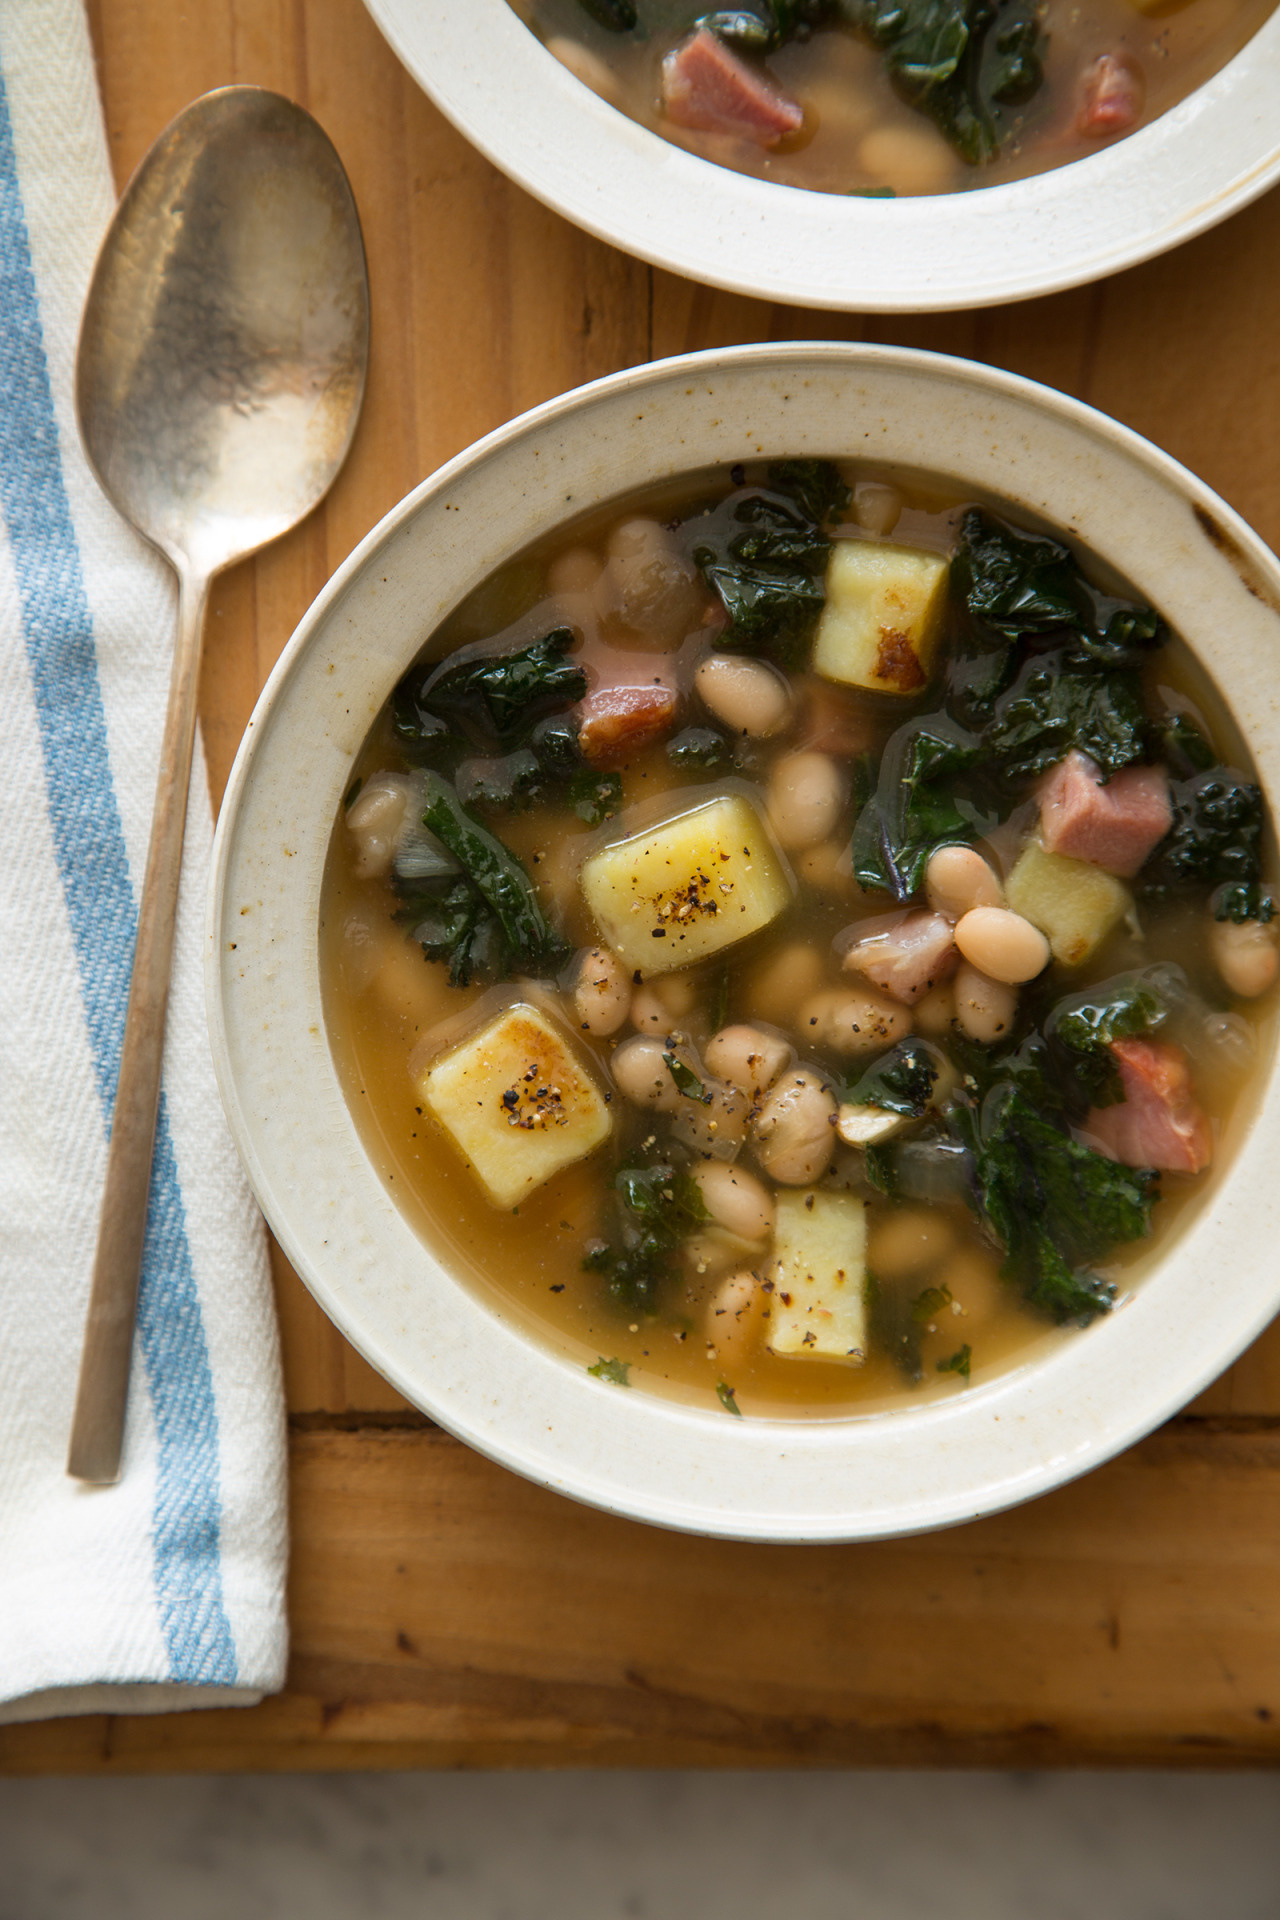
(794, 1132)
(985, 1009)
(736, 1200)
(936, 1014)
(376, 818)
(748, 696)
(804, 798)
(1245, 956)
(853, 1022)
(733, 1315)
(575, 572)
(654, 589)
(716, 1126)
(777, 985)
(1002, 944)
(601, 992)
(641, 1074)
(585, 66)
(660, 1005)
(958, 879)
(876, 506)
(909, 159)
(748, 1058)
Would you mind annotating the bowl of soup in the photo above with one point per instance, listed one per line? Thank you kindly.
(742, 944)
(866, 157)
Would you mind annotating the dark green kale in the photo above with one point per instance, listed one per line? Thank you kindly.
(485, 921)
(762, 26)
(961, 62)
(660, 1206)
(698, 747)
(1085, 1025)
(1053, 1204)
(1215, 841)
(959, 1362)
(725, 1395)
(494, 699)
(1018, 584)
(764, 551)
(615, 1371)
(685, 1079)
(898, 1319)
(351, 795)
(1184, 748)
(878, 1165)
(595, 797)
(615, 16)
(900, 1081)
(1059, 701)
(915, 807)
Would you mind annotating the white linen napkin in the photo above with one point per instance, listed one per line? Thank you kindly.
(166, 1590)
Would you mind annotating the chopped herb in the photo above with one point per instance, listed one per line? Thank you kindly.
(1053, 1204)
(1087, 1023)
(958, 1362)
(660, 1206)
(764, 552)
(687, 1081)
(1215, 840)
(900, 1081)
(927, 1305)
(698, 747)
(486, 922)
(1184, 747)
(595, 797)
(724, 1394)
(615, 1371)
(914, 808)
(878, 1165)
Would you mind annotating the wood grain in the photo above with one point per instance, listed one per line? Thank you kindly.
(446, 1614)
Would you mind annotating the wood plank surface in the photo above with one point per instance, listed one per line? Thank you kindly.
(444, 1613)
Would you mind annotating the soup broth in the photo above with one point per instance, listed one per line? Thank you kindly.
(833, 106)
(921, 1073)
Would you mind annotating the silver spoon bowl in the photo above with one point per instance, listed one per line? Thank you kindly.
(219, 377)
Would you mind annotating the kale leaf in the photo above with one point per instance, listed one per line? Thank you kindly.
(915, 808)
(698, 747)
(615, 1371)
(959, 1362)
(765, 25)
(1053, 1204)
(615, 16)
(764, 552)
(900, 1081)
(898, 1320)
(496, 698)
(1056, 704)
(1020, 583)
(595, 797)
(1085, 1025)
(725, 1395)
(961, 62)
(485, 921)
(660, 1206)
(1215, 841)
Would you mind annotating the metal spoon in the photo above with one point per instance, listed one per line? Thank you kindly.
(219, 377)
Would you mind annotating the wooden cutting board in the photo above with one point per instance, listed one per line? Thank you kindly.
(445, 1613)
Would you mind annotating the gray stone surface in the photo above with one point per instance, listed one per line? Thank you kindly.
(632, 1846)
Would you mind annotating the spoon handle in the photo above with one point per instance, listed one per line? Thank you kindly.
(97, 1429)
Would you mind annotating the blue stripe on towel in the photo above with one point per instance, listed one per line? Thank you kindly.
(89, 844)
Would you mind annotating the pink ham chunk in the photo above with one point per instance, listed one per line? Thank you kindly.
(615, 722)
(1115, 826)
(1112, 92)
(1159, 1123)
(707, 88)
(907, 958)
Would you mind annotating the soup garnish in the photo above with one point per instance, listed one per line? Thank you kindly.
(797, 933)
(887, 97)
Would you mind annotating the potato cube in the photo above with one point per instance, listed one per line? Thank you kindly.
(518, 1102)
(883, 617)
(1074, 904)
(817, 1310)
(683, 890)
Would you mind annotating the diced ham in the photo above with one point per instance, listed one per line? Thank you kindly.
(1159, 1123)
(907, 958)
(1115, 826)
(708, 88)
(1112, 92)
(615, 722)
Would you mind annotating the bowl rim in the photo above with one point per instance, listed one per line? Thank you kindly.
(1196, 164)
(1031, 1428)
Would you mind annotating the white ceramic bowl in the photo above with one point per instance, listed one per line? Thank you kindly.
(442, 1344)
(1192, 167)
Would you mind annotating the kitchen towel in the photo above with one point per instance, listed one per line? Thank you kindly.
(167, 1589)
